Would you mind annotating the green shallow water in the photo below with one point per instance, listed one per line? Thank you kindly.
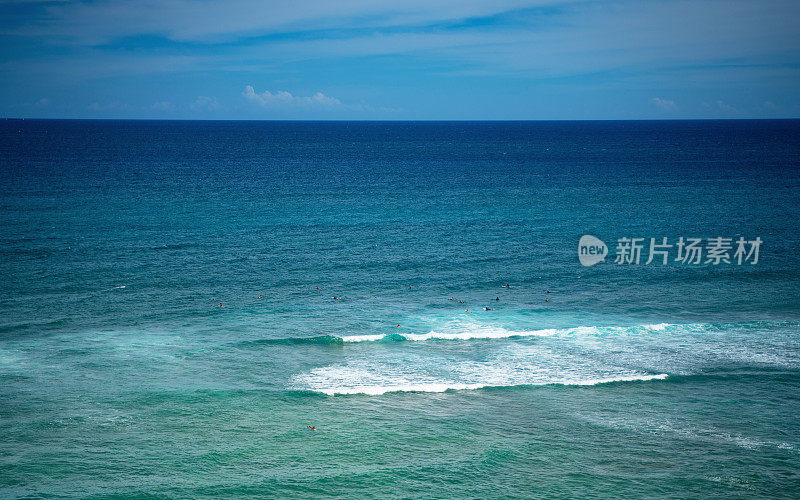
(658, 438)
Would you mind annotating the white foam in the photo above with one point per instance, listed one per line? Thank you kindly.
(711, 434)
(376, 390)
(609, 380)
(363, 338)
(469, 331)
(429, 374)
(481, 333)
(579, 356)
(466, 332)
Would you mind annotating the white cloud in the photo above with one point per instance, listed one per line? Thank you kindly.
(573, 38)
(720, 107)
(162, 106)
(105, 20)
(96, 106)
(204, 103)
(727, 108)
(282, 98)
(664, 104)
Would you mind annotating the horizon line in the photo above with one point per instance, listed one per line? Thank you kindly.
(291, 120)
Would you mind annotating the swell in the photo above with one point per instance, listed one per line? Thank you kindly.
(788, 377)
(751, 374)
(376, 390)
(478, 332)
(322, 340)
(317, 340)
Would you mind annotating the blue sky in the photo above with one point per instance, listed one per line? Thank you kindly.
(400, 60)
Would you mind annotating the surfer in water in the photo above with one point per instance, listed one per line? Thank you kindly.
(312, 427)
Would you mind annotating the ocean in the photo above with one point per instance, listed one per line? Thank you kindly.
(169, 327)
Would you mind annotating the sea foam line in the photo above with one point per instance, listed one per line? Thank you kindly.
(482, 333)
(376, 390)
(476, 332)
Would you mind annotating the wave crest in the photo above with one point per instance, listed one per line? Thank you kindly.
(473, 331)
(376, 390)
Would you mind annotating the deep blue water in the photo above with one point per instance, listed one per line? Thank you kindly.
(163, 332)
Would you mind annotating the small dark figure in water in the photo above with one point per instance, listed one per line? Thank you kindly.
(497, 298)
(337, 298)
(488, 309)
(312, 427)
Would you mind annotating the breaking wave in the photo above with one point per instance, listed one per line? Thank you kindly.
(443, 386)
(580, 356)
(471, 331)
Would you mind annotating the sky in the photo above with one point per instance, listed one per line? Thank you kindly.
(400, 60)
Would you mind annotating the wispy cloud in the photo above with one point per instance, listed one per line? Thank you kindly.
(727, 108)
(663, 104)
(111, 106)
(161, 106)
(205, 103)
(282, 98)
(720, 106)
(215, 20)
(31, 1)
(450, 58)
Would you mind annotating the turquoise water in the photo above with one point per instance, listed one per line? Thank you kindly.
(121, 374)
